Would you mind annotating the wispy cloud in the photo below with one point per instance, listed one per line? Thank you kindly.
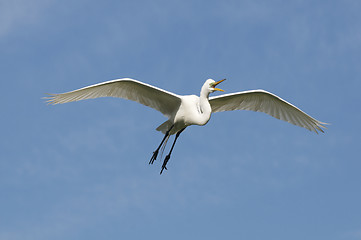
(17, 13)
(352, 235)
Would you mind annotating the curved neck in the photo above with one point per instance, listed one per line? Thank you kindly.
(205, 109)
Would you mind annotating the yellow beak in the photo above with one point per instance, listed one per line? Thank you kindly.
(216, 83)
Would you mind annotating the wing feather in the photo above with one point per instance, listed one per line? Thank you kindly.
(269, 103)
(126, 88)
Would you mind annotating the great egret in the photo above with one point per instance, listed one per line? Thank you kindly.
(183, 111)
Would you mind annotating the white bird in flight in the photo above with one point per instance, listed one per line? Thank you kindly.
(183, 111)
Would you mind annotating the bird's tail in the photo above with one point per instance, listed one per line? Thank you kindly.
(164, 127)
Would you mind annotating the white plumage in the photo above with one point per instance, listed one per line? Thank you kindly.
(263, 101)
(183, 111)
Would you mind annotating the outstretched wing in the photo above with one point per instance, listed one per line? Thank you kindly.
(159, 99)
(263, 101)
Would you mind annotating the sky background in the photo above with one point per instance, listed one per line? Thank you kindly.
(80, 170)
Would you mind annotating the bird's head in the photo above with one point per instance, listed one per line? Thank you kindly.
(211, 85)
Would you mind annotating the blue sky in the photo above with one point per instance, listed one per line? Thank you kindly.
(80, 170)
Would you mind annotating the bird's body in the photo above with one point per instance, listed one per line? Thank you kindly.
(193, 110)
(183, 111)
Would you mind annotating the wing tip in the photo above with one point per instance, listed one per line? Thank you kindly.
(50, 99)
(320, 126)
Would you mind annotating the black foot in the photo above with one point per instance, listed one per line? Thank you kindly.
(165, 163)
(154, 157)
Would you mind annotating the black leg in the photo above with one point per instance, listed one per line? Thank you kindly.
(164, 165)
(155, 153)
